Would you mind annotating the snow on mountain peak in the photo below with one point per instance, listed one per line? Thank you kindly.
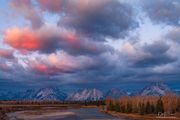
(155, 89)
(85, 95)
(50, 94)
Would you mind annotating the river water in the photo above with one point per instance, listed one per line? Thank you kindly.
(69, 114)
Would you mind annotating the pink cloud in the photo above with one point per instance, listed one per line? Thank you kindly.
(38, 40)
(22, 39)
(43, 69)
(49, 39)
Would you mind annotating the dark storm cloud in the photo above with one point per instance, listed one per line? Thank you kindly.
(97, 19)
(154, 60)
(109, 18)
(157, 47)
(166, 11)
(154, 54)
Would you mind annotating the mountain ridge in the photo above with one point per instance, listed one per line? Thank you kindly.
(87, 94)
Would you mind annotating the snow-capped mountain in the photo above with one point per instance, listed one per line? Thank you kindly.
(35, 94)
(86, 95)
(116, 93)
(49, 94)
(155, 89)
(53, 93)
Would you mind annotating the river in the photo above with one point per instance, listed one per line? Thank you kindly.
(69, 114)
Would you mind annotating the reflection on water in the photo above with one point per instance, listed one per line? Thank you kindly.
(91, 113)
(70, 114)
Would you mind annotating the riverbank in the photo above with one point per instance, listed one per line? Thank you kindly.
(84, 113)
(139, 117)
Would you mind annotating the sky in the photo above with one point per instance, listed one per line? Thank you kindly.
(89, 43)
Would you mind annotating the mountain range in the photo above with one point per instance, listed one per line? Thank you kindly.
(54, 93)
(41, 94)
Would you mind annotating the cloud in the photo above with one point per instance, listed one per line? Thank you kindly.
(5, 53)
(163, 11)
(61, 62)
(174, 35)
(157, 47)
(25, 8)
(5, 67)
(22, 39)
(54, 7)
(148, 55)
(48, 39)
(165, 69)
(99, 19)
(77, 49)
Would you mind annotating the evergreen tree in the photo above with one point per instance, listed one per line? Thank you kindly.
(142, 109)
(117, 107)
(129, 108)
(178, 106)
(111, 106)
(85, 103)
(148, 108)
(123, 108)
(152, 108)
(159, 106)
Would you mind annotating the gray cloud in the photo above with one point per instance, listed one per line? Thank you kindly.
(150, 55)
(165, 11)
(154, 60)
(174, 35)
(109, 18)
(157, 47)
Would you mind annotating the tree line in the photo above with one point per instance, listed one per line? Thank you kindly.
(30, 102)
(144, 104)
